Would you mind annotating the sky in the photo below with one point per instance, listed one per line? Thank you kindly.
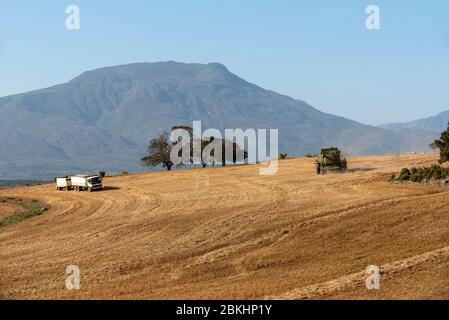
(317, 51)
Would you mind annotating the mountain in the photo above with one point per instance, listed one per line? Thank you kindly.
(103, 119)
(436, 123)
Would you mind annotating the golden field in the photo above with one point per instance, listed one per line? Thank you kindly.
(228, 233)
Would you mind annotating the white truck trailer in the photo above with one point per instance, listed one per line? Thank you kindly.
(84, 182)
(63, 184)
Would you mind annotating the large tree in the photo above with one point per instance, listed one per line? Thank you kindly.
(159, 152)
(443, 145)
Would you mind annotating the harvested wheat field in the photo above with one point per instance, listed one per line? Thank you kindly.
(228, 233)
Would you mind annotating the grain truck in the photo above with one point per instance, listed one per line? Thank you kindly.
(63, 184)
(85, 182)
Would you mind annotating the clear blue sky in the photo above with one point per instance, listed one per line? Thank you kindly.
(317, 51)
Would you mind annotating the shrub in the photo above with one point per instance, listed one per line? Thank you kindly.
(404, 175)
(416, 175)
(283, 156)
(102, 174)
(435, 172)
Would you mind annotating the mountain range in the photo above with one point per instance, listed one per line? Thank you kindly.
(104, 119)
(436, 124)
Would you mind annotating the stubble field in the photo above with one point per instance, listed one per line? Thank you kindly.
(228, 233)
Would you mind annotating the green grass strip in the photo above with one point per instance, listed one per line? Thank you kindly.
(32, 208)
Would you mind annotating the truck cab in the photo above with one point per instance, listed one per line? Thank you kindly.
(86, 182)
(94, 183)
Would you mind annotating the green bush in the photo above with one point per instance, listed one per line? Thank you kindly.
(102, 174)
(416, 175)
(404, 175)
(434, 172)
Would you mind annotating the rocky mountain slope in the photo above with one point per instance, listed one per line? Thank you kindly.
(103, 119)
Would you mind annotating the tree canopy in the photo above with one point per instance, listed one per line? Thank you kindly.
(159, 152)
(443, 145)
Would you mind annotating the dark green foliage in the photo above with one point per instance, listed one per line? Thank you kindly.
(404, 175)
(283, 156)
(443, 145)
(434, 172)
(417, 174)
(437, 172)
(102, 174)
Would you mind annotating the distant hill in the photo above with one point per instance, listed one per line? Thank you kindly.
(103, 119)
(436, 124)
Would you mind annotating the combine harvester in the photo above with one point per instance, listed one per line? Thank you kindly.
(330, 159)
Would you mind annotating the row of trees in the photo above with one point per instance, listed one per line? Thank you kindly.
(160, 148)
